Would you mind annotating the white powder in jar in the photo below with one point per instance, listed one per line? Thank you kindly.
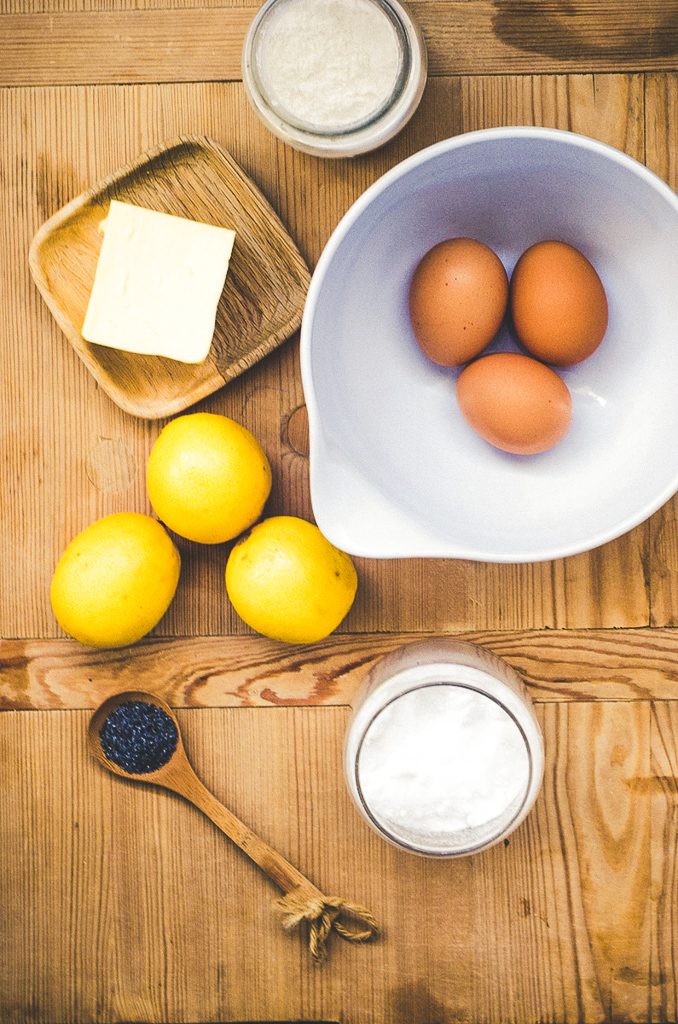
(328, 64)
(443, 767)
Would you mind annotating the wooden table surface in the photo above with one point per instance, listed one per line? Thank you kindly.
(122, 904)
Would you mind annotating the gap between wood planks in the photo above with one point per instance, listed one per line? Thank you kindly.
(248, 671)
(205, 44)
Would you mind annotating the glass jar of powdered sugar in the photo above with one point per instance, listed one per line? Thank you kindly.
(444, 755)
(334, 77)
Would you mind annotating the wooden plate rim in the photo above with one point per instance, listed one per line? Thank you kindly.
(215, 379)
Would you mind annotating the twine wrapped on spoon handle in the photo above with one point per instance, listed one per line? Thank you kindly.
(302, 900)
(323, 913)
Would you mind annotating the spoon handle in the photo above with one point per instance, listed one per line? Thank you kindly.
(284, 874)
(303, 901)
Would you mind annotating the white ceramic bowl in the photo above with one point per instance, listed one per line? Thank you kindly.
(395, 470)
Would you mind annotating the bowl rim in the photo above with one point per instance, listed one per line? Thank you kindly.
(516, 556)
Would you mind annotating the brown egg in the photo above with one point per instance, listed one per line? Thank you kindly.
(515, 403)
(458, 298)
(558, 304)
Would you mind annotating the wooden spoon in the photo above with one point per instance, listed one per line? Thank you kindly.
(302, 900)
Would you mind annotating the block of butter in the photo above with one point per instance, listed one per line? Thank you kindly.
(157, 284)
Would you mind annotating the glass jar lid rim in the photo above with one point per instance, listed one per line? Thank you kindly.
(330, 132)
(432, 851)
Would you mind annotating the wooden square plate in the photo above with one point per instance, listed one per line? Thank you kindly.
(262, 300)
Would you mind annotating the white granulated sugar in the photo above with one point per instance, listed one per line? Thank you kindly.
(442, 760)
(328, 63)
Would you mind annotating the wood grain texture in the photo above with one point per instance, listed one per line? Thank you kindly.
(70, 455)
(557, 665)
(463, 37)
(59, 6)
(259, 308)
(121, 904)
(662, 784)
(591, 813)
(586, 893)
(125, 904)
(588, 17)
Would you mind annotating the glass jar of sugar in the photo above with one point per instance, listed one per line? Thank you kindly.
(444, 755)
(334, 77)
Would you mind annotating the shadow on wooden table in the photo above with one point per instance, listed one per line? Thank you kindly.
(567, 29)
(415, 1004)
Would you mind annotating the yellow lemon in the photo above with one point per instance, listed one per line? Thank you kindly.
(115, 580)
(288, 582)
(208, 478)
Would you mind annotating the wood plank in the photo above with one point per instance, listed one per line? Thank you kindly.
(661, 93)
(72, 456)
(662, 784)
(627, 665)
(124, 904)
(122, 46)
(662, 157)
(591, 813)
(60, 6)
(204, 44)
(589, 17)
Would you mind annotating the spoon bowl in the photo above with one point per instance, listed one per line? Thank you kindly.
(162, 776)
